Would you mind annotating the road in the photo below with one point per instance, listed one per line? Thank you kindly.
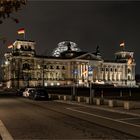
(28, 119)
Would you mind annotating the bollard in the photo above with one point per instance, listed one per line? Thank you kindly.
(80, 99)
(59, 97)
(65, 97)
(49, 96)
(128, 105)
(99, 101)
(87, 100)
(112, 103)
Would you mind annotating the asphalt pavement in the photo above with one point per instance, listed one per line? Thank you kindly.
(28, 119)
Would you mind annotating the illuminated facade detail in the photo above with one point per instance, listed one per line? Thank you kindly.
(23, 67)
(62, 46)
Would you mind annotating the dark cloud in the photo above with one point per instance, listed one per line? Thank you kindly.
(86, 23)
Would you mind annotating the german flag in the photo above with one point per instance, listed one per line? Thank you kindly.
(21, 31)
(10, 46)
(122, 44)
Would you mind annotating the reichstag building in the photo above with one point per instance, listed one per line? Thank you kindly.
(68, 65)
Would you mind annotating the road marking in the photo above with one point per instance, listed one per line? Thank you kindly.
(101, 108)
(4, 132)
(123, 119)
(103, 117)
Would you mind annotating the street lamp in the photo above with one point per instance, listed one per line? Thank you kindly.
(75, 72)
(91, 90)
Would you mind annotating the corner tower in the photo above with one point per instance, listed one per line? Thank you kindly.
(127, 58)
(23, 48)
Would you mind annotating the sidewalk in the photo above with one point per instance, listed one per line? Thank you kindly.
(134, 112)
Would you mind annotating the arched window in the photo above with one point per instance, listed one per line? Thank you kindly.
(22, 48)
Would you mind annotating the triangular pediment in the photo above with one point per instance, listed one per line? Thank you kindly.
(88, 56)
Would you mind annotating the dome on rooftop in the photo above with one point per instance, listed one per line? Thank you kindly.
(64, 46)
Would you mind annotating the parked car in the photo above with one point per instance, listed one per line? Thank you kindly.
(38, 94)
(28, 91)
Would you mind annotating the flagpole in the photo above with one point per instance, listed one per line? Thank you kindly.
(123, 48)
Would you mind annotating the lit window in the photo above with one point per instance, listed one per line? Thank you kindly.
(46, 84)
(22, 47)
(58, 84)
(6, 62)
(52, 84)
(38, 66)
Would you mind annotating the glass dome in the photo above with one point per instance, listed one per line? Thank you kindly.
(63, 46)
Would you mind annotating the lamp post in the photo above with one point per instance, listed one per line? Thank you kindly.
(91, 90)
(73, 90)
(75, 72)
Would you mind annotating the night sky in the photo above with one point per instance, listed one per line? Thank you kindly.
(86, 23)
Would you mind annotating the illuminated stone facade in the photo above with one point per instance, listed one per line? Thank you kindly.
(23, 67)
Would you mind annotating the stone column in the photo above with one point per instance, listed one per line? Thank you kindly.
(133, 71)
(79, 71)
(86, 69)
